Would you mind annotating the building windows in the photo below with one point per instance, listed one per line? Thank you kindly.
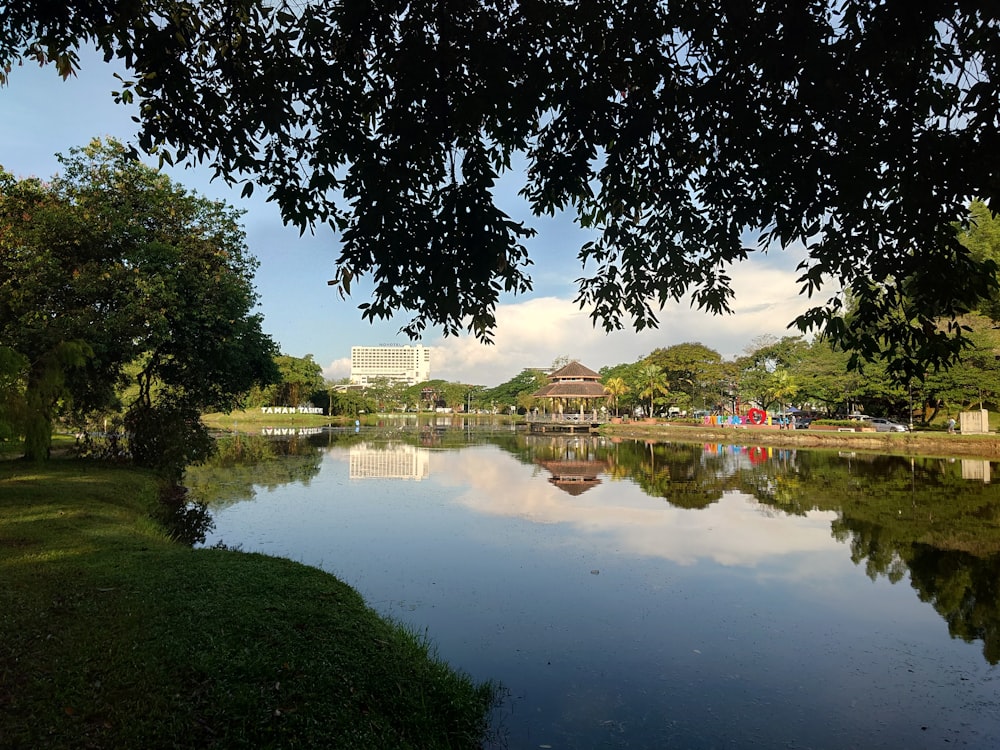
(408, 364)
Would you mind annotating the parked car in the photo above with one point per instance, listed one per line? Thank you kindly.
(886, 425)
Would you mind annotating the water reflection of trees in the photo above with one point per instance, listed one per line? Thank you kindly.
(901, 514)
(677, 472)
(680, 473)
(965, 591)
(243, 463)
(186, 520)
(897, 515)
(964, 588)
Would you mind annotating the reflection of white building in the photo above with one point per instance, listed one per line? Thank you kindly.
(976, 469)
(389, 461)
(410, 364)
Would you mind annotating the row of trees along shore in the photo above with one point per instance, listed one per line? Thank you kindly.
(771, 374)
(126, 308)
(815, 374)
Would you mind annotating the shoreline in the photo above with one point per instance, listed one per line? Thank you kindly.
(897, 443)
(118, 635)
(918, 443)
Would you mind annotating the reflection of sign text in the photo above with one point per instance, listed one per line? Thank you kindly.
(279, 431)
(389, 461)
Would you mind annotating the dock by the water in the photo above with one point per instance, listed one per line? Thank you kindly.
(566, 424)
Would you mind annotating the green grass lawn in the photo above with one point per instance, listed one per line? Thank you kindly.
(114, 636)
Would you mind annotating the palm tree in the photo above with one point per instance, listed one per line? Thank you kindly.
(655, 383)
(616, 388)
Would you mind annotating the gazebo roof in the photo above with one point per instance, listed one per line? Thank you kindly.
(572, 381)
(574, 371)
(571, 389)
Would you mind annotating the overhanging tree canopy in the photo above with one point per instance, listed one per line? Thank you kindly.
(674, 129)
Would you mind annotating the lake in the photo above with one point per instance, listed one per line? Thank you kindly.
(640, 595)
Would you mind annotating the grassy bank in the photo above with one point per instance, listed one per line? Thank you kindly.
(114, 636)
(250, 418)
(917, 443)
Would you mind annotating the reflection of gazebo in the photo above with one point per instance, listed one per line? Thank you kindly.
(572, 383)
(575, 477)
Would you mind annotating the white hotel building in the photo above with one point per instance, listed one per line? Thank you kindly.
(410, 364)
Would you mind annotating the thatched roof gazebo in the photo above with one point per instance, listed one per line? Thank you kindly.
(574, 385)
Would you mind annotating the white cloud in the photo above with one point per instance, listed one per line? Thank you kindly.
(619, 516)
(534, 332)
(337, 369)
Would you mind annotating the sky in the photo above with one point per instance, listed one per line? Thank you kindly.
(42, 115)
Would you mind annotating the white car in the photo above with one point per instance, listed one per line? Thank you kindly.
(886, 425)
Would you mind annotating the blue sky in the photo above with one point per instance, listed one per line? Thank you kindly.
(44, 115)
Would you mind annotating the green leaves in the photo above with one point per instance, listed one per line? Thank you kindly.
(109, 267)
(856, 130)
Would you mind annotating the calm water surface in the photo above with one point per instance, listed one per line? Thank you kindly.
(656, 596)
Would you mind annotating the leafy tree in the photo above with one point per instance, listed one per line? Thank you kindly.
(13, 367)
(111, 269)
(561, 361)
(981, 235)
(442, 393)
(975, 381)
(473, 398)
(692, 369)
(326, 398)
(979, 370)
(456, 395)
(425, 394)
(511, 393)
(755, 385)
(879, 394)
(671, 130)
(729, 388)
(60, 293)
(629, 372)
(770, 352)
(383, 392)
(767, 369)
(783, 387)
(301, 377)
(350, 403)
(526, 402)
(823, 376)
